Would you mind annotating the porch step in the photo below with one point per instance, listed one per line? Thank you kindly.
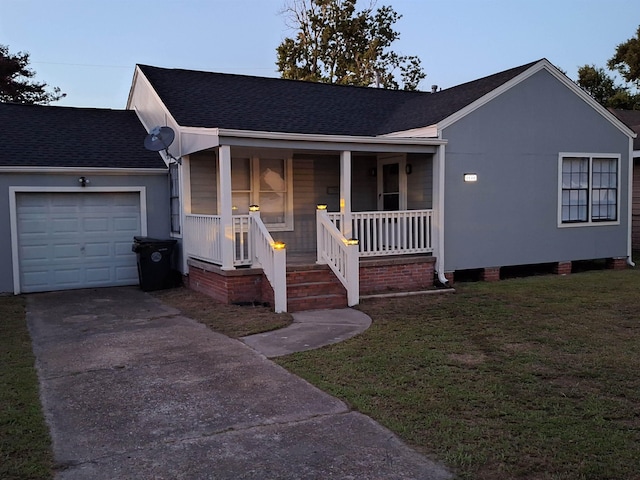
(313, 288)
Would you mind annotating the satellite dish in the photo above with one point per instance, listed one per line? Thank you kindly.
(161, 138)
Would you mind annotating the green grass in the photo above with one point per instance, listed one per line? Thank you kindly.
(25, 446)
(525, 378)
(232, 320)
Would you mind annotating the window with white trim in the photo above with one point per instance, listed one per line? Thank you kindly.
(266, 182)
(174, 197)
(589, 188)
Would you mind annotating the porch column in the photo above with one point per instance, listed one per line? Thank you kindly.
(345, 193)
(185, 199)
(224, 206)
(438, 211)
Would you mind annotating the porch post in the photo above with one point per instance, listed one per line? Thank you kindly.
(225, 206)
(345, 194)
(437, 236)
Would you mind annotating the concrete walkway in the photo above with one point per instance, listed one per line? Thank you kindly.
(310, 330)
(132, 389)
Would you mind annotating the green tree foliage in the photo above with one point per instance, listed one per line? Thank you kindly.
(16, 84)
(627, 60)
(335, 43)
(602, 86)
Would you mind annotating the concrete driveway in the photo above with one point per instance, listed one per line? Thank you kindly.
(134, 390)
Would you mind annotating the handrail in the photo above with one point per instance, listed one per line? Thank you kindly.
(340, 254)
(272, 257)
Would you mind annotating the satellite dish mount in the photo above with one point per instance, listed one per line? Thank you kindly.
(161, 138)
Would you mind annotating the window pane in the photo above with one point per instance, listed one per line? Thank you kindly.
(240, 203)
(272, 175)
(240, 174)
(272, 207)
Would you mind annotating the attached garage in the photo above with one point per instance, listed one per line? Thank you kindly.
(73, 197)
(68, 240)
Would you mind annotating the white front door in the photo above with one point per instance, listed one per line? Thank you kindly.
(392, 183)
(76, 240)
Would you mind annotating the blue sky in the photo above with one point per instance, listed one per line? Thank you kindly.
(89, 47)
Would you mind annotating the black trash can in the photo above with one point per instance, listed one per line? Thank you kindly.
(154, 262)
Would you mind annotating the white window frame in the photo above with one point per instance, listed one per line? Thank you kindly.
(254, 193)
(591, 156)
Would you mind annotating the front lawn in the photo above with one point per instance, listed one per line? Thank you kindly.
(25, 446)
(525, 378)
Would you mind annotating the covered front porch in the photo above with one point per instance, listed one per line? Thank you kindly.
(269, 211)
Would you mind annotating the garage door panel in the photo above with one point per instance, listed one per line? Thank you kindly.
(63, 225)
(67, 251)
(94, 250)
(77, 240)
(126, 224)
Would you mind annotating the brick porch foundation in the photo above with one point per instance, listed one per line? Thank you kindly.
(247, 285)
(228, 286)
(397, 274)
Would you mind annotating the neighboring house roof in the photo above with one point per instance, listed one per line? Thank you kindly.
(632, 119)
(216, 100)
(48, 136)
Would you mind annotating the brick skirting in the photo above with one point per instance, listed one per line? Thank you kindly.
(399, 274)
(228, 286)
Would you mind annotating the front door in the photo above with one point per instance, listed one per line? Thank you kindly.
(392, 182)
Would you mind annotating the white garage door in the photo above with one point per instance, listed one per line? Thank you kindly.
(77, 240)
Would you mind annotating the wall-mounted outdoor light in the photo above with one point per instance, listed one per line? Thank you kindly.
(373, 172)
(321, 206)
(254, 208)
(278, 245)
(408, 168)
(353, 241)
(470, 177)
(84, 181)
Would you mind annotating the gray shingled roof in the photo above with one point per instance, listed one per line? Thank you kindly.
(48, 136)
(632, 119)
(216, 100)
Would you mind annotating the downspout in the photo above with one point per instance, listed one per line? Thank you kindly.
(630, 206)
(439, 197)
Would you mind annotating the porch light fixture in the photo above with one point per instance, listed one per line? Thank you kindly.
(373, 172)
(353, 241)
(321, 206)
(408, 168)
(470, 177)
(278, 245)
(254, 208)
(84, 181)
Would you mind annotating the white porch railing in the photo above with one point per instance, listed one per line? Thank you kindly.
(273, 260)
(252, 244)
(390, 233)
(343, 258)
(203, 238)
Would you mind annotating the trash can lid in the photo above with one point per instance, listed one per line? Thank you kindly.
(151, 240)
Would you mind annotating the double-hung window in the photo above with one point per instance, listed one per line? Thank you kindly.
(265, 182)
(588, 188)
